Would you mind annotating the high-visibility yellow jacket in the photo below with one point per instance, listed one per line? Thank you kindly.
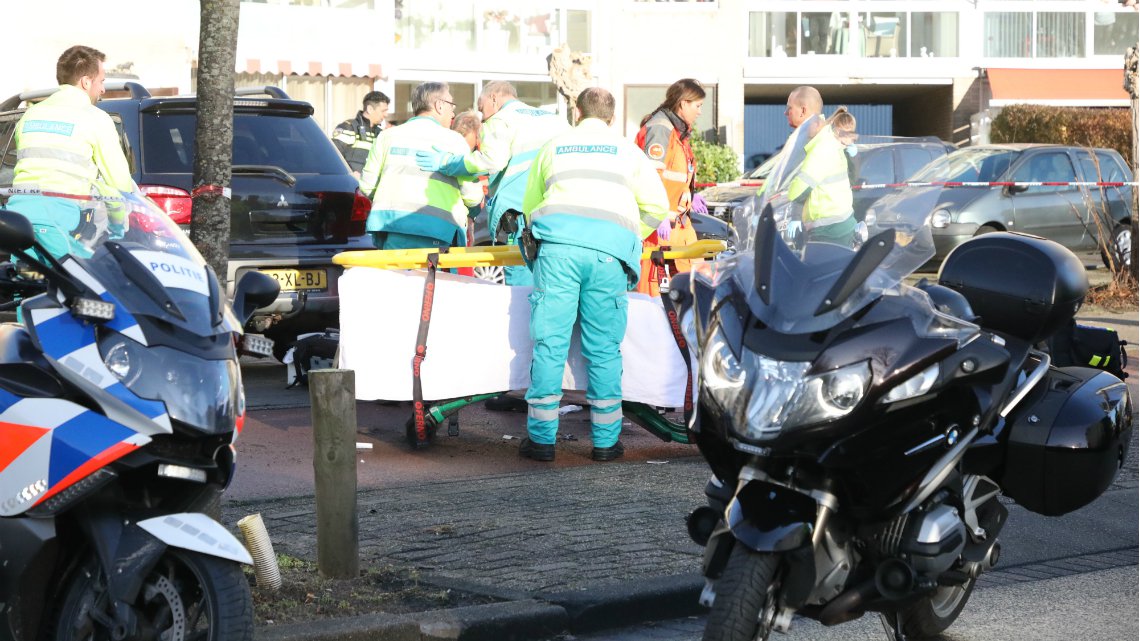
(508, 144)
(824, 171)
(67, 145)
(354, 138)
(409, 200)
(592, 188)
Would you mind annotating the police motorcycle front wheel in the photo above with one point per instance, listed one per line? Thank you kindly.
(747, 596)
(185, 596)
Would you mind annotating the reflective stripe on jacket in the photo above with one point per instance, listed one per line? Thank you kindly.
(354, 138)
(408, 200)
(508, 144)
(824, 171)
(592, 188)
(665, 140)
(66, 144)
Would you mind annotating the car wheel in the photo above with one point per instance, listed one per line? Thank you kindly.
(491, 273)
(986, 229)
(1120, 244)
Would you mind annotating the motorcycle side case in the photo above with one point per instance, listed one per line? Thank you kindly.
(1018, 284)
(1067, 440)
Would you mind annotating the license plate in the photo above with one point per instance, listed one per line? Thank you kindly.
(292, 280)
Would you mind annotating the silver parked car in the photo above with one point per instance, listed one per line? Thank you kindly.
(1086, 219)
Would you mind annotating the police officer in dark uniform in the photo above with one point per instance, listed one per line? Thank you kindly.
(353, 138)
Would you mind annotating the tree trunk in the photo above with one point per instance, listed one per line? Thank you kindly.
(213, 151)
(1130, 85)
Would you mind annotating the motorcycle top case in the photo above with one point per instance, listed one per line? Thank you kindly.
(1020, 285)
(1067, 440)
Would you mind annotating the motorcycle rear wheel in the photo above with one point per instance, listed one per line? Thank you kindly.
(186, 596)
(745, 594)
(932, 615)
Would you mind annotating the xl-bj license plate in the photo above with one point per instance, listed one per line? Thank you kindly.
(298, 279)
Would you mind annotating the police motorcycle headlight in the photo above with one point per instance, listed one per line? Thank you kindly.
(764, 396)
(205, 394)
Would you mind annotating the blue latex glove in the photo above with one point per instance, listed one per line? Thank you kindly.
(430, 161)
(664, 230)
(699, 205)
(116, 231)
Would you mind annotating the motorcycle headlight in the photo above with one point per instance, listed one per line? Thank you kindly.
(763, 396)
(916, 385)
(940, 219)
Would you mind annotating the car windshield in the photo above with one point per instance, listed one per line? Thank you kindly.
(976, 164)
(801, 287)
(764, 169)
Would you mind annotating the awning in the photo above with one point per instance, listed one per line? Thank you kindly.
(307, 67)
(1058, 87)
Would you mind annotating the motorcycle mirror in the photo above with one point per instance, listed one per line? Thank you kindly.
(254, 290)
(16, 232)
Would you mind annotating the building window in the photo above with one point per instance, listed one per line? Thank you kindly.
(543, 95)
(642, 100)
(1113, 33)
(1008, 34)
(1016, 34)
(872, 34)
(401, 108)
(883, 35)
(934, 35)
(334, 4)
(492, 26)
(1060, 35)
(772, 34)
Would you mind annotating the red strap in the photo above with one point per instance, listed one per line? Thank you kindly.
(658, 260)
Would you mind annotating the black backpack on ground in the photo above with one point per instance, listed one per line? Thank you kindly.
(1090, 346)
(314, 352)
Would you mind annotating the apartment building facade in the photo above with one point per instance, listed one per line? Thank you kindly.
(928, 67)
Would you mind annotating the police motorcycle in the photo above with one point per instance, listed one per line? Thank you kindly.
(120, 400)
(860, 430)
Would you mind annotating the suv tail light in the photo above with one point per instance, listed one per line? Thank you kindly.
(360, 207)
(175, 202)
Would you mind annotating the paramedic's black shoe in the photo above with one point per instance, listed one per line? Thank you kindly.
(536, 451)
(615, 451)
(505, 403)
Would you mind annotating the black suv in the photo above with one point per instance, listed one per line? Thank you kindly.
(295, 201)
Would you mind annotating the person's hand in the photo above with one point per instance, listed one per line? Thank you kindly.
(431, 161)
(699, 205)
(665, 229)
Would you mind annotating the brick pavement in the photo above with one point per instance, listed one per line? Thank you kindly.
(524, 533)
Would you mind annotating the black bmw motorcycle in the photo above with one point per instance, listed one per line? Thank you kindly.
(860, 430)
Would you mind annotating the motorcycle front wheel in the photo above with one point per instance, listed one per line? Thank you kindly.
(746, 596)
(930, 616)
(186, 596)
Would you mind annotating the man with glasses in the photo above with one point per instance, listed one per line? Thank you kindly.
(413, 208)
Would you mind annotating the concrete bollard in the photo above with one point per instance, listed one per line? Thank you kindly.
(332, 393)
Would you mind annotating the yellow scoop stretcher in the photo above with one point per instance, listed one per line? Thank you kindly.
(498, 255)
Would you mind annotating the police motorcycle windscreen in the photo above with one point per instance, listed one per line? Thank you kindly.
(171, 337)
(797, 287)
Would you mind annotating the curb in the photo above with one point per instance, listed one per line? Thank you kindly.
(511, 621)
(611, 606)
(541, 616)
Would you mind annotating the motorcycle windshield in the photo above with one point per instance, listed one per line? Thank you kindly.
(797, 285)
(143, 259)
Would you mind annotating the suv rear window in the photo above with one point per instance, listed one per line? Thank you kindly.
(296, 145)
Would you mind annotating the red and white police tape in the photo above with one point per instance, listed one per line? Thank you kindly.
(760, 183)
